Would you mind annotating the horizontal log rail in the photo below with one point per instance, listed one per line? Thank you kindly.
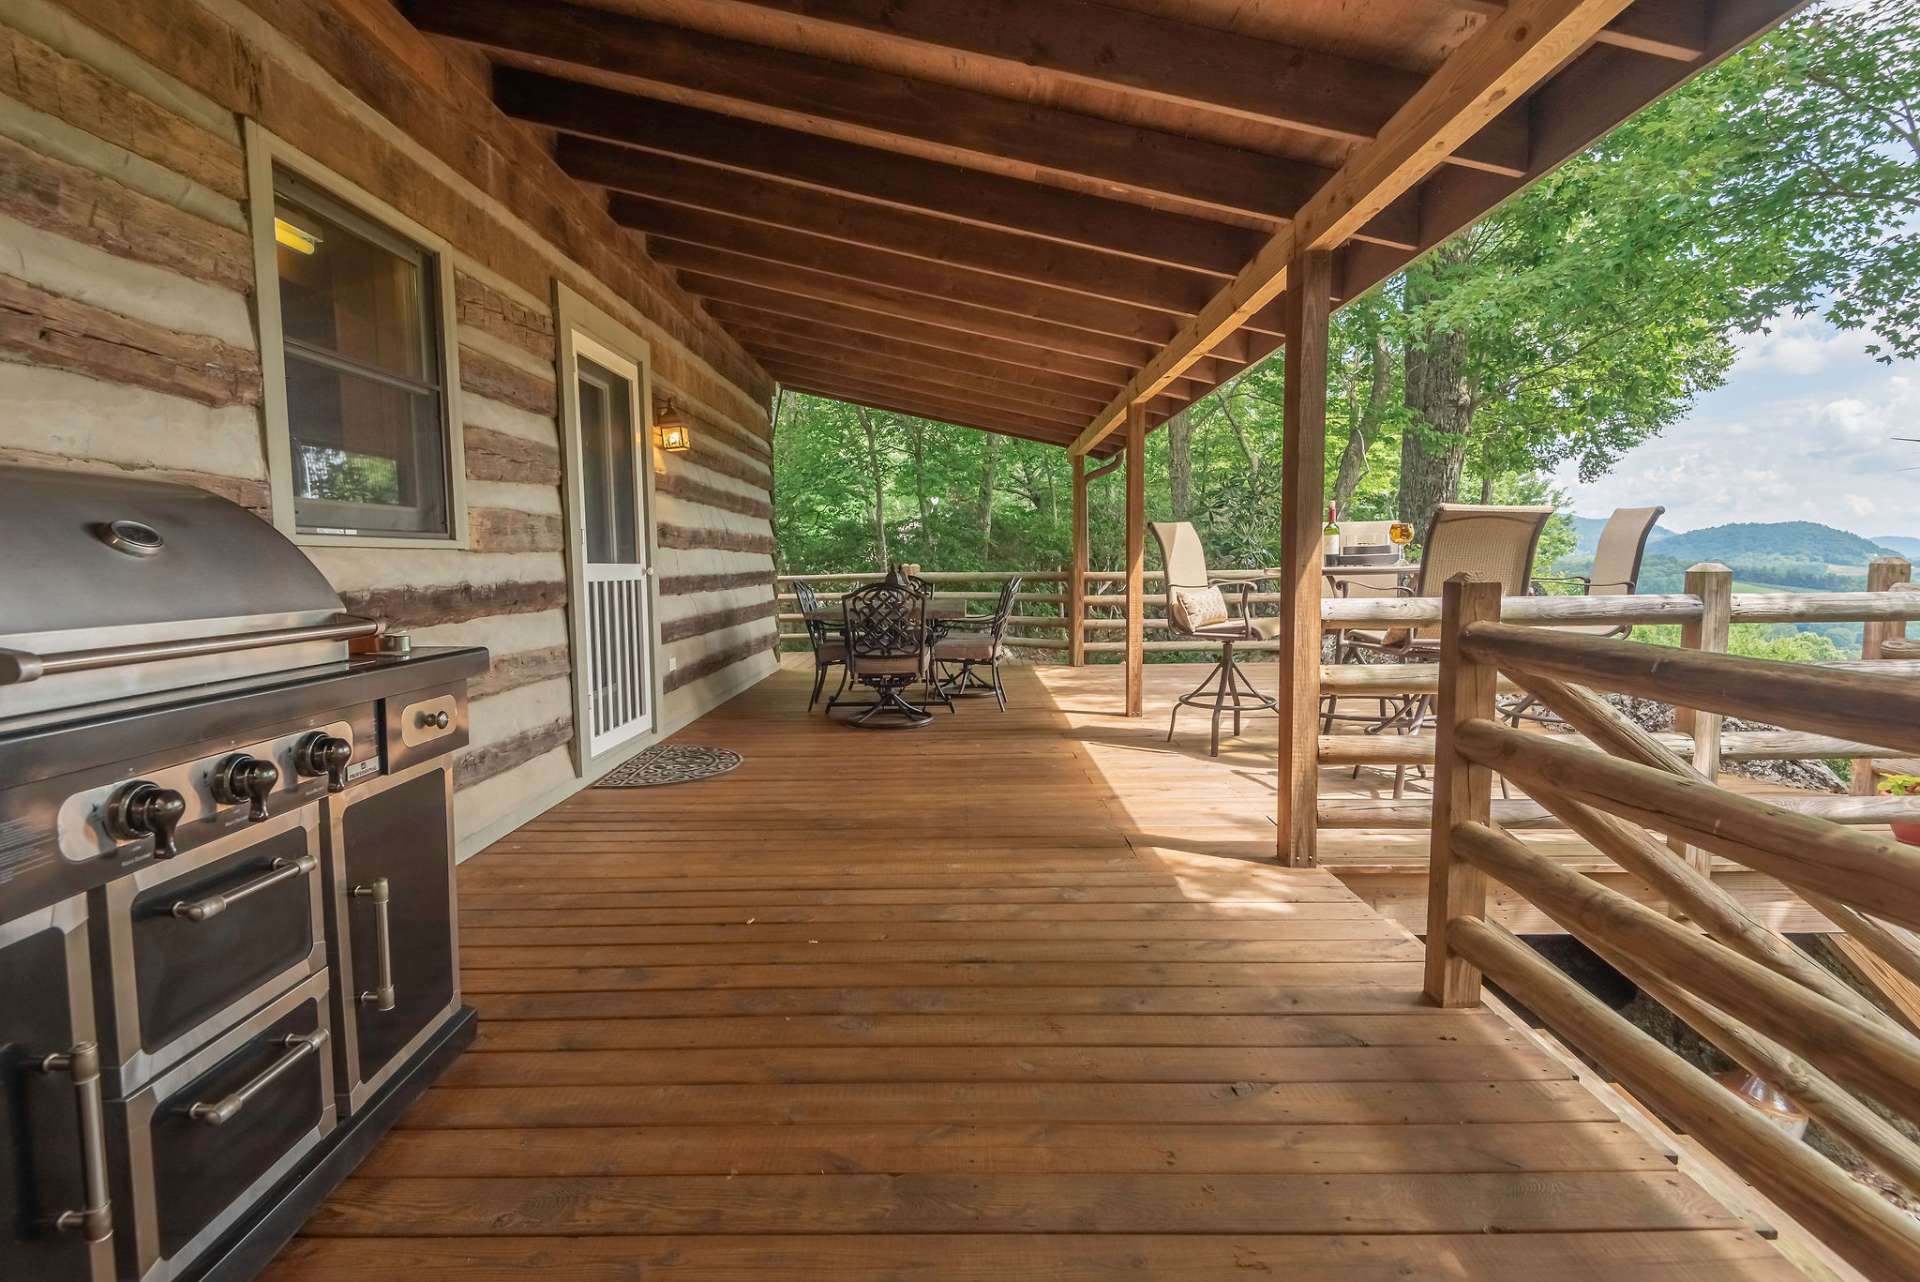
(1740, 985)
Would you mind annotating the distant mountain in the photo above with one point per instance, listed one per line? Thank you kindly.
(1785, 540)
(1586, 530)
(1900, 543)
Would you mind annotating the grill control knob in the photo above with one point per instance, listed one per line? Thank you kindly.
(144, 809)
(324, 754)
(435, 720)
(242, 778)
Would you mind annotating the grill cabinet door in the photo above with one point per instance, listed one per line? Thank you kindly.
(186, 971)
(45, 1009)
(396, 832)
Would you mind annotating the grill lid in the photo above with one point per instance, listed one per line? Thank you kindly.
(92, 552)
(115, 586)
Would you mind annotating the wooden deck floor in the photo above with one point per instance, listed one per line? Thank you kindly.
(981, 1001)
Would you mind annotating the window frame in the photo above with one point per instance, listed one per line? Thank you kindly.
(369, 216)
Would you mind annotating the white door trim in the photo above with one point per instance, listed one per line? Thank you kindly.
(581, 329)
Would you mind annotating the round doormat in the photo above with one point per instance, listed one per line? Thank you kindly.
(666, 763)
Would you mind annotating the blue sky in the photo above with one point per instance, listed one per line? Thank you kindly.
(1801, 431)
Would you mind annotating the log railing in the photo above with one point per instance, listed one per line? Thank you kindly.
(1741, 986)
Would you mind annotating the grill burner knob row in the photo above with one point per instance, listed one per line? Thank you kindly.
(324, 754)
(243, 778)
(144, 809)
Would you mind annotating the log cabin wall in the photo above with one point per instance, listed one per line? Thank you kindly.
(128, 341)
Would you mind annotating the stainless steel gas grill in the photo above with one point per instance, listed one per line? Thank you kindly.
(227, 938)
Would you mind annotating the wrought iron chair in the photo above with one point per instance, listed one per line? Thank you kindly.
(886, 639)
(829, 647)
(974, 643)
(1198, 610)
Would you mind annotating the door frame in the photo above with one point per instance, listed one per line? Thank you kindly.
(582, 329)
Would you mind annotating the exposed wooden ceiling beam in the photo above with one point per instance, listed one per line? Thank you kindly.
(1504, 59)
(1169, 60)
(761, 329)
(1672, 29)
(905, 182)
(783, 364)
(905, 303)
(934, 411)
(864, 320)
(678, 230)
(879, 108)
(688, 186)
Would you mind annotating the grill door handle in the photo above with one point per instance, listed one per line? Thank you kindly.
(94, 1221)
(381, 996)
(198, 910)
(223, 1110)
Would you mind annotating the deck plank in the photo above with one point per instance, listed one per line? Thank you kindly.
(1017, 995)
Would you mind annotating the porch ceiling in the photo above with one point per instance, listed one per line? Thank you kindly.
(1021, 215)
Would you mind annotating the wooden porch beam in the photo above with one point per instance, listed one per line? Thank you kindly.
(1166, 60)
(682, 229)
(1137, 559)
(883, 109)
(788, 365)
(1303, 483)
(598, 118)
(1504, 59)
(801, 309)
(689, 187)
(1077, 571)
(959, 416)
(904, 302)
(758, 329)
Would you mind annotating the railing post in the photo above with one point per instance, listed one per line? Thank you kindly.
(1136, 635)
(1462, 791)
(1884, 573)
(1077, 572)
(1713, 584)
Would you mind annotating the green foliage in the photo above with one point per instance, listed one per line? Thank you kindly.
(1775, 641)
(1900, 785)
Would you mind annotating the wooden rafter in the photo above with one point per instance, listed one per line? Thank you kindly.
(901, 271)
(1504, 59)
(1165, 59)
(789, 365)
(881, 109)
(794, 349)
(959, 415)
(751, 324)
(933, 334)
(697, 190)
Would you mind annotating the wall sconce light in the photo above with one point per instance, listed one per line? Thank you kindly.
(671, 427)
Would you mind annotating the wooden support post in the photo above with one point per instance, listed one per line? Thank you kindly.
(1136, 558)
(1713, 584)
(1077, 572)
(1462, 791)
(1303, 492)
(1884, 573)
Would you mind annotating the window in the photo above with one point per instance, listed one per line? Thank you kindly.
(367, 423)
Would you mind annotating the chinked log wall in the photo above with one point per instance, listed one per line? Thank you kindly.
(127, 339)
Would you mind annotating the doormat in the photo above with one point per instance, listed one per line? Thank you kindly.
(666, 763)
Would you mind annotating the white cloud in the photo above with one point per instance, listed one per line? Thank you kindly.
(1803, 430)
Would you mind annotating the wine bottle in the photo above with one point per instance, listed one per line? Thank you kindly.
(1331, 533)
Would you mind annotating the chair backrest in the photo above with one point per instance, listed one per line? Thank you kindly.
(1623, 545)
(885, 621)
(920, 585)
(1181, 554)
(809, 602)
(1003, 608)
(1492, 544)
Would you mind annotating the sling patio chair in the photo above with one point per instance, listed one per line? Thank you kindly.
(973, 643)
(1616, 572)
(886, 638)
(1488, 544)
(829, 647)
(1199, 609)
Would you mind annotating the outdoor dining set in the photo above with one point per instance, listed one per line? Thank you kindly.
(1488, 543)
(892, 636)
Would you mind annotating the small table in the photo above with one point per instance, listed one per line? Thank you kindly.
(942, 611)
